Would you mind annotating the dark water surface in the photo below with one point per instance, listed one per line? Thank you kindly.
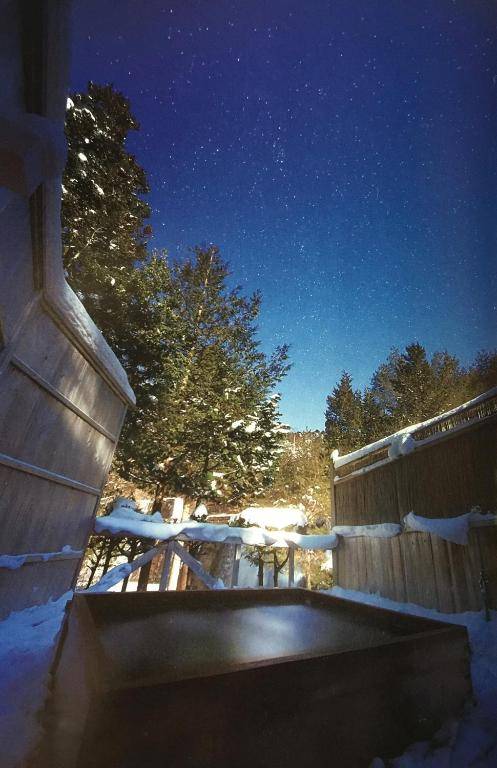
(175, 644)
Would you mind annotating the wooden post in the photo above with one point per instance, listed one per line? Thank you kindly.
(143, 577)
(166, 568)
(333, 514)
(236, 565)
(182, 578)
(291, 567)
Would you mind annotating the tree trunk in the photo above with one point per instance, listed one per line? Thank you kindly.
(260, 571)
(108, 556)
(131, 557)
(159, 494)
(183, 578)
(93, 569)
(143, 577)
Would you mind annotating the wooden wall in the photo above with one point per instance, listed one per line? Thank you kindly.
(63, 395)
(444, 478)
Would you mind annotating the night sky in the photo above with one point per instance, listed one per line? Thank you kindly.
(341, 153)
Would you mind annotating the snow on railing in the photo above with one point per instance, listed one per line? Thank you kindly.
(415, 435)
(144, 526)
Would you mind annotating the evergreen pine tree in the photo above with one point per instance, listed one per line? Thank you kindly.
(187, 343)
(410, 388)
(344, 417)
(376, 423)
(103, 213)
(482, 375)
(217, 415)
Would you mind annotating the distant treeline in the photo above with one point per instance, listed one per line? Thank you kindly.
(409, 387)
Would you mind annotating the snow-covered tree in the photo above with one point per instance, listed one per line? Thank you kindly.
(214, 432)
(103, 211)
(206, 423)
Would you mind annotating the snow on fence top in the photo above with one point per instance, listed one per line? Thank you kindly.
(125, 520)
(407, 439)
(152, 527)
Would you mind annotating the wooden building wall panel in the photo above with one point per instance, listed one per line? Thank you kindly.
(457, 556)
(347, 564)
(52, 355)
(383, 562)
(60, 417)
(440, 478)
(484, 465)
(398, 574)
(473, 564)
(39, 430)
(16, 284)
(35, 584)
(40, 516)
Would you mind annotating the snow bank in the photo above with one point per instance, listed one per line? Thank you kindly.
(453, 529)
(327, 564)
(471, 741)
(27, 643)
(376, 531)
(274, 517)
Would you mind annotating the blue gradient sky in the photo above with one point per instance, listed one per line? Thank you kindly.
(342, 155)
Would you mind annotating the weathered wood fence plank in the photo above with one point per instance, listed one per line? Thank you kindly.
(445, 476)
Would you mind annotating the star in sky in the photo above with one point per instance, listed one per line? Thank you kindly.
(342, 155)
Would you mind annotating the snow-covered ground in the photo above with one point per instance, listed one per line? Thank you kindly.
(472, 741)
(27, 644)
(132, 587)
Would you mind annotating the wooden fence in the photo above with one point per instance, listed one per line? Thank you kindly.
(452, 468)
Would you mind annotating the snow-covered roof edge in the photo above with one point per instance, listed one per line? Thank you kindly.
(73, 314)
(61, 300)
(340, 461)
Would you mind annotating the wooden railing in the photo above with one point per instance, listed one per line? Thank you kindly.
(170, 548)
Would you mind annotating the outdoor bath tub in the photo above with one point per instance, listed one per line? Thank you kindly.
(255, 678)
